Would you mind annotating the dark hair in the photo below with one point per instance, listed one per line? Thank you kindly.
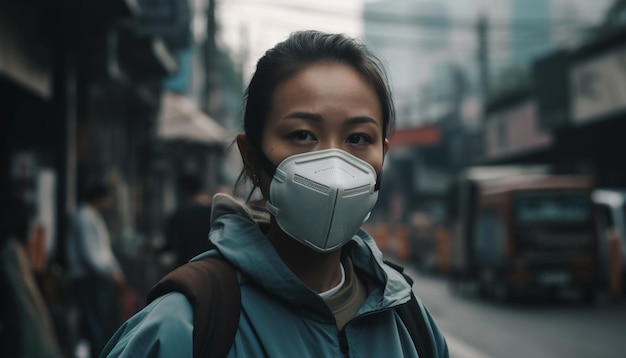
(96, 192)
(300, 50)
(14, 217)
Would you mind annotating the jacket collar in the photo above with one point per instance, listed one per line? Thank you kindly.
(236, 233)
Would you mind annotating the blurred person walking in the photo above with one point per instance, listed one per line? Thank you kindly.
(26, 327)
(187, 229)
(94, 271)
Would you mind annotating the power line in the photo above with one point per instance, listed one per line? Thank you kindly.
(378, 17)
(464, 24)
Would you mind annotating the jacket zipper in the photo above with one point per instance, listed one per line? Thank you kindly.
(343, 339)
(343, 343)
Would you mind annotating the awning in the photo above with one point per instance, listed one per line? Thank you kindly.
(138, 57)
(180, 119)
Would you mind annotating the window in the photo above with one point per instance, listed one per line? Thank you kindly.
(540, 206)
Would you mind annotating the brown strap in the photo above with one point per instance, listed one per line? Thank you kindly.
(211, 287)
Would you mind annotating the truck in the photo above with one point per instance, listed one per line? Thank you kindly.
(517, 231)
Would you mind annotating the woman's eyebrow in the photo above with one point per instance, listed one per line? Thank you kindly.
(360, 120)
(317, 118)
(304, 115)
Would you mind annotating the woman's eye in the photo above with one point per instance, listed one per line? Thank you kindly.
(302, 135)
(358, 138)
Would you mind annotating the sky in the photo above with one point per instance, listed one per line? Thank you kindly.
(249, 27)
(408, 35)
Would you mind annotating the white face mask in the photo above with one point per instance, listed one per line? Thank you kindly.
(321, 198)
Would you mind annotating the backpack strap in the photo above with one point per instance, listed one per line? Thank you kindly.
(211, 287)
(411, 315)
(413, 318)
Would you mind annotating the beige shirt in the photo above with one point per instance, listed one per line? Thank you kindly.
(347, 301)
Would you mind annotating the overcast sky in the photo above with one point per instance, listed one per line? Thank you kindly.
(247, 28)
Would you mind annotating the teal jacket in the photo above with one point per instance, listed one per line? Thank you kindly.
(280, 316)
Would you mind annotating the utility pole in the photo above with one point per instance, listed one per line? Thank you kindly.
(482, 31)
(210, 100)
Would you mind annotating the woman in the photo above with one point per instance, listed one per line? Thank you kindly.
(317, 119)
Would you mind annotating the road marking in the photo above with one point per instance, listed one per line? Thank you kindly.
(460, 349)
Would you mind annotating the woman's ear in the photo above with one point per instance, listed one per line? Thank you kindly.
(385, 146)
(247, 155)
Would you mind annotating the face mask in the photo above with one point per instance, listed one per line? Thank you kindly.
(321, 198)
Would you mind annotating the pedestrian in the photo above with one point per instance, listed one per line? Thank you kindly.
(317, 119)
(94, 271)
(187, 229)
(26, 327)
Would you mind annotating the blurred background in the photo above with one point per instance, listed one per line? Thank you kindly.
(504, 189)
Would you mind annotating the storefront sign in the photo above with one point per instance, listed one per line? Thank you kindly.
(598, 87)
(515, 130)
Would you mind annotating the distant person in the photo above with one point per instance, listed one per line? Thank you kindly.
(26, 327)
(187, 229)
(95, 272)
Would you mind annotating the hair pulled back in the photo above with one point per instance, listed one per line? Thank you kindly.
(303, 49)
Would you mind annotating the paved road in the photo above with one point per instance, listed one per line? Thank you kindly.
(476, 328)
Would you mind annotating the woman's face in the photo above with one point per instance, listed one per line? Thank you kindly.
(325, 106)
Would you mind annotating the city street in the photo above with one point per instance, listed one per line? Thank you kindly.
(478, 138)
(478, 328)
